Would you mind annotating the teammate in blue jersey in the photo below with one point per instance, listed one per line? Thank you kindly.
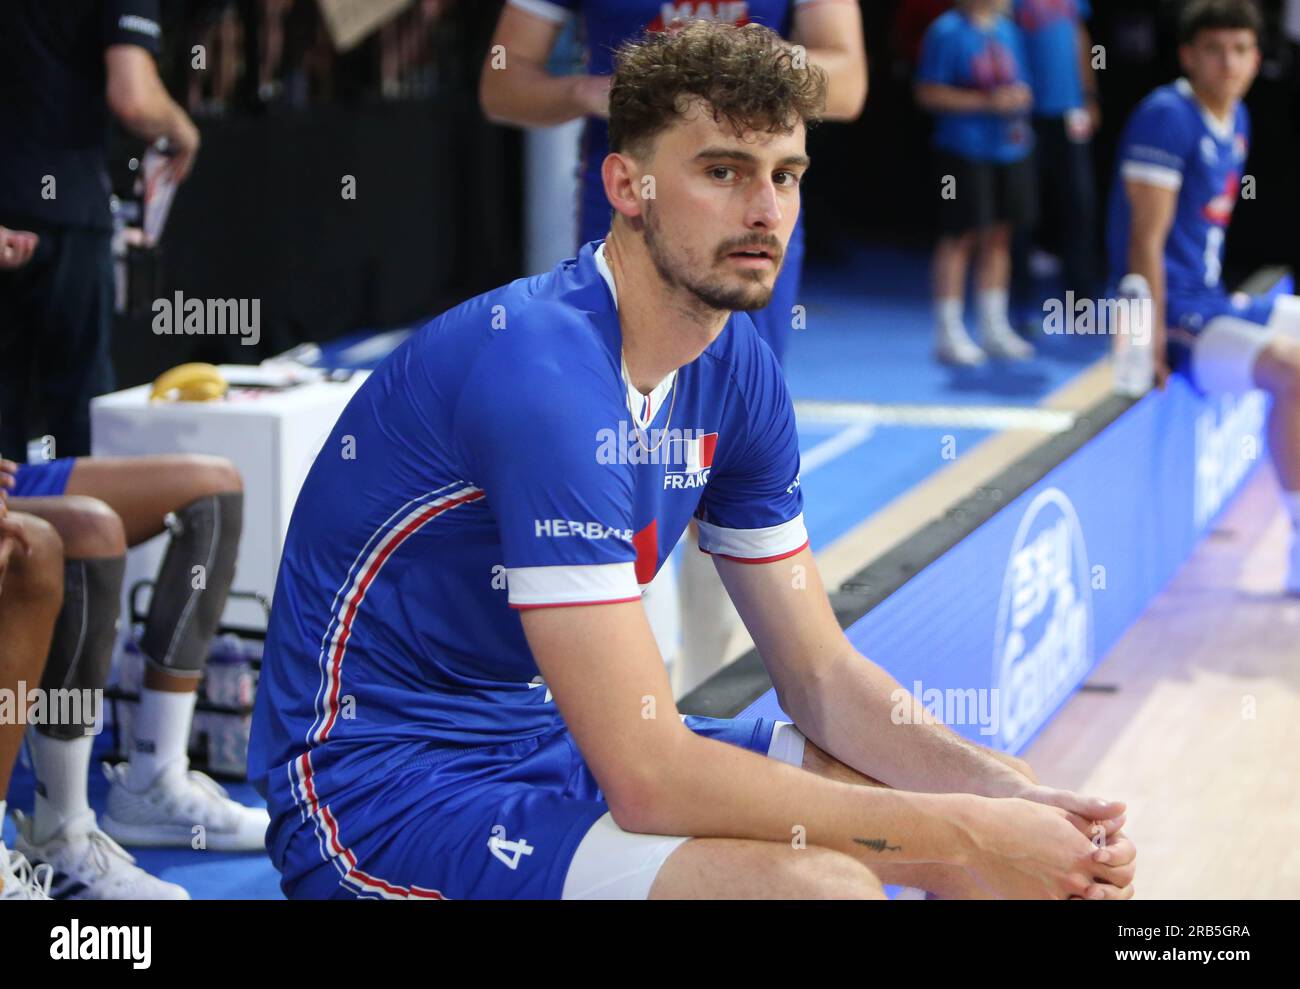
(1181, 163)
(461, 696)
(972, 77)
(523, 93)
(1066, 114)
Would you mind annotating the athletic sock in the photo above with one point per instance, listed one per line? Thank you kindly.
(160, 734)
(61, 767)
(991, 304)
(948, 318)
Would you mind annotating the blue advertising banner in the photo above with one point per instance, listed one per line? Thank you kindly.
(995, 635)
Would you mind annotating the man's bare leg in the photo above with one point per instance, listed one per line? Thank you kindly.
(945, 882)
(1277, 371)
(142, 490)
(29, 605)
(705, 868)
(198, 500)
(740, 869)
(79, 658)
(952, 256)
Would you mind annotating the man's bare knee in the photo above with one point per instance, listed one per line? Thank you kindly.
(726, 868)
(1277, 370)
(38, 578)
(833, 875)
(209, 475)
(89, 528)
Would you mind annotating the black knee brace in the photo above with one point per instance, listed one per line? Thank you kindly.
(81, 651)
(187, 602)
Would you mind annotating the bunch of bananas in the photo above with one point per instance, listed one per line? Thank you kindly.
(196, 382)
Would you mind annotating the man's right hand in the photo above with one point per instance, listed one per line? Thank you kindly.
(16, 247)
(1028, 851)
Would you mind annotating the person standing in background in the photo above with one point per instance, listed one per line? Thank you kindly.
(972, 77)
(63, 69)
(1066, 116)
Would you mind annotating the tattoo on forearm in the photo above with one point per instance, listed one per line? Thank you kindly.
(878, 844)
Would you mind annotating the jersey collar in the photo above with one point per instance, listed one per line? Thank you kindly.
(644, 408)
(1222, 129)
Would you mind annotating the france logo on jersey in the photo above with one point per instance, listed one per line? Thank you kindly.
(1173, 142)
(493, 463)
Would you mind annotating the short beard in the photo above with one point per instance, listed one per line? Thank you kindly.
(714, 294)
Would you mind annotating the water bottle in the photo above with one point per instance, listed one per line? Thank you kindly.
(229, 682)
(1134, 351)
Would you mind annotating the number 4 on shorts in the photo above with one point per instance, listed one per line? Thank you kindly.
(508, 852)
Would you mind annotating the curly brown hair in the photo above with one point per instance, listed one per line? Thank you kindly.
(748, 76)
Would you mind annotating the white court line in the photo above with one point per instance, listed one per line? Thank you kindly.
(992, 417)
(837, 445)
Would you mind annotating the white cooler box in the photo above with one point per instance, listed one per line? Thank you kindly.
(272, 436)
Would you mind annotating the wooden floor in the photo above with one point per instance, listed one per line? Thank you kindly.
(1202, 736)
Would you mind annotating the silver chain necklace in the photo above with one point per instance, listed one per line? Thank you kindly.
(623, 375)
(636, 430)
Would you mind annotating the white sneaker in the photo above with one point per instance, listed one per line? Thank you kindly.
(89, 865)
(957, 348)
(20, 880)
(176, 805)
(1005, 344)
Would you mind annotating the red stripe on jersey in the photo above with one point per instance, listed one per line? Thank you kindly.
(646, 543)
(759, 559)
(708, 442)
(572, 604)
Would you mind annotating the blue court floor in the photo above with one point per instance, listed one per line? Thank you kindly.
(867, 340)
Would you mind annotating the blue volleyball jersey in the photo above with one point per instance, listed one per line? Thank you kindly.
(1172, 141)
(958, 52)
(491, 464)
(606, 24)
(1050, 30)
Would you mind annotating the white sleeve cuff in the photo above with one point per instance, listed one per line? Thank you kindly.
(549, 587)
(544, 9)
(1157, 175)
(755, 545)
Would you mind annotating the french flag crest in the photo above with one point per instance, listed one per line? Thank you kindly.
(691, 455)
